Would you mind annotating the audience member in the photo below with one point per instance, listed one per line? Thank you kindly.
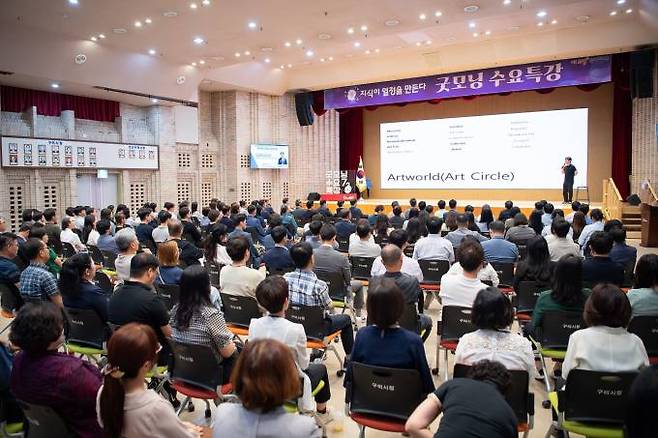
(596, 225)
(644, 295)
(584, 209)
(605, 345)
(455, 237)
(89, 233)
(462, 288)
(537, 266)
(68, 236)
(54, 262)
(314, 238)
(144, 230)
(485, 218)
(278, 258)
(354, 238)
(127, 243)
(547, 217)
(363, 245)
(382, 226)
(600, 268)
(190, 254)
(215, 250)
(506, 212)
(578, 225)
(355, 211)
(36, 281)
(161, 233)
(497, 249)
(239, 231)
(396, 220)
(434, 247)
(42, 376)
(621, 253)
(52, 228)
(560, 245)
(79, 214)
(509, 222)
(76, 283)
(254, 223)
(520, 233)
(169, 272)
(344, 226)
(409, 265)
(106, 241)
(535, 221)
(414, 230)
(413, 205)
(190, 231)
(237, 278)
(441, 209)
(575, 207)
(10, 275)
(487, 274)
(641, 420)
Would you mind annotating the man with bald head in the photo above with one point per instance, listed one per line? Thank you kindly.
(392, 257)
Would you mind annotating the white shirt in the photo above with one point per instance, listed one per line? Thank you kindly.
(68, 236)
(240, 280)
(561, 246)
(80, 222)
(222, 257)
(602, 348)
(93, 237)
(588, 231)
(546, 232)
(457, 290)
(409, 266)
(363, 248)
(488, 273)
(434, 247)
(510, 349)
(122, 266)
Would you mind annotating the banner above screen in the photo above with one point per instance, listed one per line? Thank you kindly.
(538, 75)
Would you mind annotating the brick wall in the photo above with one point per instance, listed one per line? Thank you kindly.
(645, 147)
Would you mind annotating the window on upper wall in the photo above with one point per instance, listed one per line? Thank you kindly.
(137, 196)
(15, 206)
(266, 191)
(184, 191)
(207, 161)
(244, 160)
(245, 191)
(184, 159)
(50, 196)
(207, 192)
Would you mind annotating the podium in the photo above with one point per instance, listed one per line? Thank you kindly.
(649, 225)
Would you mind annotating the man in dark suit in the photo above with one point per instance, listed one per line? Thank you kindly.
(354, 210)
(144, 230)
(344, 227)
(240, 225)
(190, 231)
(278, 258)
(323, 210)
(298, 213)
(189, 253)
(254, 222)
(310, 211)
(600, 268)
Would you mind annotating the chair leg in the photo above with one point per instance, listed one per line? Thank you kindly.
(208, 412)
(436, 370)
(362, 432)
(445, 372)
(428, 301)
(547, 380)
(341, 371)
(183, 405)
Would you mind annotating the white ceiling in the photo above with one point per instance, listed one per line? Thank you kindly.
(39, 39)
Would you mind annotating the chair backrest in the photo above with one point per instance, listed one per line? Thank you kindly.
(595, 396)
(557, 326)
(10, 297)
(523, 251)
(409, 250)
(96, 254)
(213, 271)
(343, 243)
(505, 272)
(455, 322)
(433, 270)
(108, 259)
(279, 271)
(44, 422)
(67, 250)
(197, 365)
(239, 310)
(381, 240)
(311, 317)
(86, 328)
(646, 328)
(628, 274)
(103, 281)
(518, 395)
(409, 319)
(361, 267)
(335, 282)
(526, 296)
(168, 293)
(150, 245)
(388, 392)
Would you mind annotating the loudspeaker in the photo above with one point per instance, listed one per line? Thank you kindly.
(313, 196)
(642, 64)
(633, 199)
(304, 107)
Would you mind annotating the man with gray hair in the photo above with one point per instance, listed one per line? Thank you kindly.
(392, 257)
(127, 242)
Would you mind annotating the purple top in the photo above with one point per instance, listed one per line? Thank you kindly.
(65, 383)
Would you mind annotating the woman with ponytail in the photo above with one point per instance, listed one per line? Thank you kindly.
(76, 284)
(89, 234)
(125, 407)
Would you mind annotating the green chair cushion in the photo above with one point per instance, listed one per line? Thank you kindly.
(87, 351)
(589, 430)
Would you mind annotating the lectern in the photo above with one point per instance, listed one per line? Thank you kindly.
(649, 225)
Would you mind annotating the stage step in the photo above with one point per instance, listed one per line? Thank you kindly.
(631, 216)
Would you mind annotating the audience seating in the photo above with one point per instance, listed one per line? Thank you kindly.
(168, 293)
(383, 398)
(103, 281)
(86, 334)
(10, 300)
(279, 271)
(343, 243)
(238, 313)
(67, 250)
(525, 299)
(312, 318)
(593, 403)
(523, 251)
(519, 397)
(432, 270)
(108, 260)
(96, 255)
(44, 422)
(409, 319)
(455, 322)
(381, 240)
(197, 372)
(213, 271)
(505, 273)
(337, 289)
(409, 250)
(361, 267)
(646, 328)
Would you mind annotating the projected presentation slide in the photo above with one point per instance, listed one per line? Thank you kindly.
(502, 151)
(269, 156)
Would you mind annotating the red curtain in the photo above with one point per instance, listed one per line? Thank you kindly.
(351, 138)
(622, 121)
(52, 104)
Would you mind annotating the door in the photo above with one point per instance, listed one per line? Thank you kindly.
(97, 192)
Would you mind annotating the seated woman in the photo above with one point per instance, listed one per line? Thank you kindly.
(605, 345)
(216, 246)
(76, 284)
(641, 420)
(485, 218)
(384, 343)
(125, 407)
(54, 262)
(644, 296)
(492, 314)
(168, 256)
(537, 266)
(89, 233)
(264, 378)
(472, 407)
(520, 233)
(195, 320)
(42, 376)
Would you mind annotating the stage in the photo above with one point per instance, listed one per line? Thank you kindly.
(367, 206)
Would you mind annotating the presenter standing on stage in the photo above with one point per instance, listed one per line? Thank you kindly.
(569, 171)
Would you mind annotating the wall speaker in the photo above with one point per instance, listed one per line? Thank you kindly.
(642, 65)
(304, 107)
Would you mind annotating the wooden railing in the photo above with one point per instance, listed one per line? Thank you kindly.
(612, 200)
(652, 191)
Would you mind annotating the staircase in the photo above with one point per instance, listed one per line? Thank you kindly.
(631, 217)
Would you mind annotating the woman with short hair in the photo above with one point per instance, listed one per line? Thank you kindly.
(264, 378)
(77, 286)
(644, 296)
(168, 256)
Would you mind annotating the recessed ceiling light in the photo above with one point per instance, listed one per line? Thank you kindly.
(376, 50)
(628, 11)
(237, 54)
(266, 49)
(364, 28)
(287, 44)
(541, 14)
(194, 64)
(488, 33)
(471, 25)
(193, 6)
(289, 65)
(350, 30)
(331, 58)
(252, 25)
(199, 40)
(148, 20)
(138, 23)
(310, 53)
(471, 9)
(392, 22)
(368, 52)
(583, 18)
(119, 30)
(428, 42)
(202, 62)
(418, 43)
(553, 21)
(101, 36)
(422, 16)
(357, 44)
(54, 85)
(154, 100)
(74, 2)
(282, 66)
(247, 53)
(475, 34)
(94, 39)
(205, 2)
(298, 42)
(170, 14)
(540, 24)
(507, 2)
(324, 36)
(619, 2)
(152, 52)
(613, 13)
(437, 14)
(321, 59)
(267, 60)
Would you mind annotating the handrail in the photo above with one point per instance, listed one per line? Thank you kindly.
(612, 200)
(652, 191)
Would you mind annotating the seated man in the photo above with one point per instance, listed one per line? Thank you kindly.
(596, 225)
(105, 239)
(144, 230)
(434, 247)
(288, 220)
(253, 222)
(161, 233)
(520, 232)
(237, 278)
(10, 275)
(392, 259)
(409, 265)
(278, 258)
(328, 259)
(306, 289)
(240, 226)
(600, 268)
(355, 211)
(36, 281)
(189, 253)
(497, 249)
(455, 237)
(344, 227)
(190, 230)
(363, 245)
(460, 289)
(621, 253)
(561, 245)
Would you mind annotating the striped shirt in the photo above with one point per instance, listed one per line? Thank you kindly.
(306, 289)
(207, 327)
(38, 282)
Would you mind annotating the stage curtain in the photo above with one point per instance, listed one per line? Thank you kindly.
(351, 138)
(622, 121)
(52, 104)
